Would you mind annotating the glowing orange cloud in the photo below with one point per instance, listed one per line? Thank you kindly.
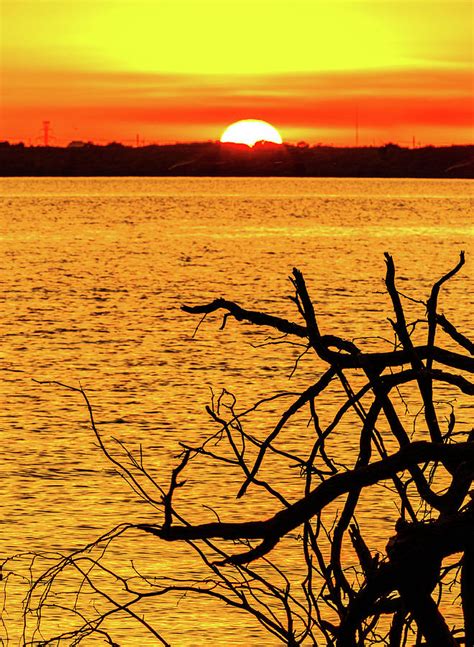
(434, 106)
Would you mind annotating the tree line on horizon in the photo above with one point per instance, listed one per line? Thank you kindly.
(215, 159)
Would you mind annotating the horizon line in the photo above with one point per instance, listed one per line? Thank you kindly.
(142, 143)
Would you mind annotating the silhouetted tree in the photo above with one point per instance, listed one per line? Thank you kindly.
(342, 596)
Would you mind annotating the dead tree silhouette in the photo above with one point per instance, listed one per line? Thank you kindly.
(393, 596)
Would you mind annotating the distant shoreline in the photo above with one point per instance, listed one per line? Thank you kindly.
(213, 159)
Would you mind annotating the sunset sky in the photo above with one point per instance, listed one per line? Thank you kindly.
(183, 70)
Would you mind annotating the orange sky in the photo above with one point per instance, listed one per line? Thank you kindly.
(182, 70)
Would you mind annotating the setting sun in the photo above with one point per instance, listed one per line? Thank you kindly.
(249, 132)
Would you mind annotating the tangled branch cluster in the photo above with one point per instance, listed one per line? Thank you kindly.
(389, 597)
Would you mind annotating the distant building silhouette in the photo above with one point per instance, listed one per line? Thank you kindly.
(77, 143)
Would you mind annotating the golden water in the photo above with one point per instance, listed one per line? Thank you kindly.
(94, 272)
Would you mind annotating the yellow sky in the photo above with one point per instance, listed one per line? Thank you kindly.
(70, 57)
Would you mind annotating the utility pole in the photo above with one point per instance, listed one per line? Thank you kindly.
(357, 127)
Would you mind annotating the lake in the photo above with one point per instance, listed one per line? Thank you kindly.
(95, 271)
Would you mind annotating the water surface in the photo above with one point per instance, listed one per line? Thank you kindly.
(95, 271)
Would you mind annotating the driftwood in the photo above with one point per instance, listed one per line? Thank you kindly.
(391, 597)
